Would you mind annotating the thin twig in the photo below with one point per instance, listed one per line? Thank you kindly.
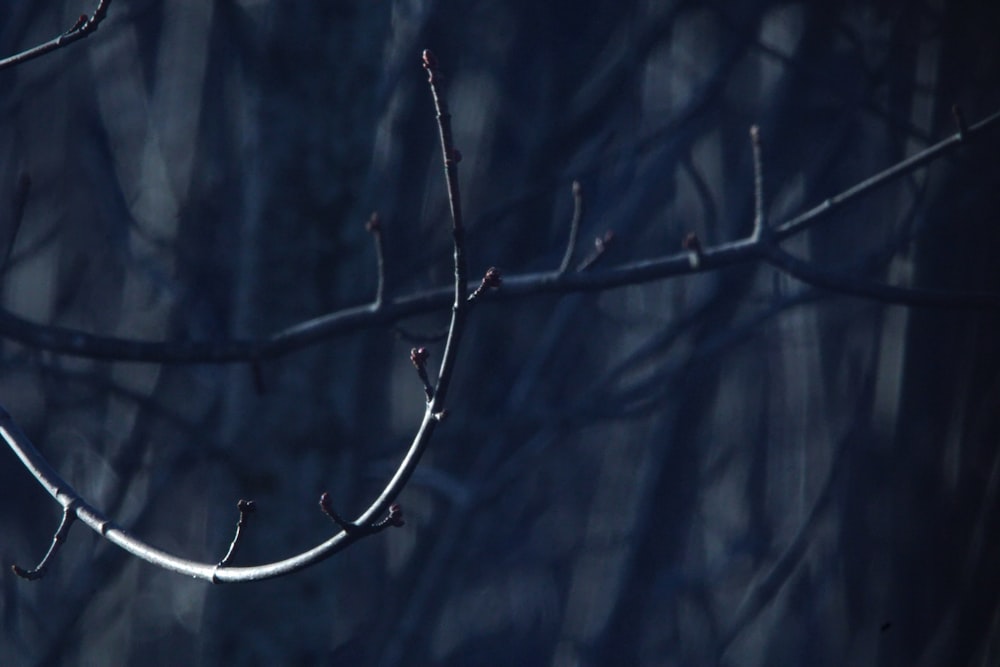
(57, 540)
(418, 357)
(326, 504)
(759, 222)
(84, 26)
(74, 342)
(374, 226)
(574, 228)
(246, 508)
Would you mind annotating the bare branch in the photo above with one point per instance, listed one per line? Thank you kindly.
(383, 511)
(758, 184)
(374, 226)
(326, 505)
(246, 508)
(73, 342)
(574, 228)
(418, 356)
(84, 26)
(57, 539)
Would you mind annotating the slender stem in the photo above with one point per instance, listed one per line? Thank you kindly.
(759, 221)
(73, 342)
(84, 26)
(574, 228)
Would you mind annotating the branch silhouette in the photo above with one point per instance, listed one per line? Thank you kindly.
(761, 246)
(84, 27)
(380, 514)
(388, 311)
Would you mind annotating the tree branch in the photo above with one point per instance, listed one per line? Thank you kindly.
(73, 342)
(84, 26)
(382, 513)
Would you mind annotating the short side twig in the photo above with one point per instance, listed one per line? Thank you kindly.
(57, 539)
(394, 518)
(374, 227)
(84, 26)
(418, 357)
(79, 343)
(492, 279)
(574, 228)
(326, 504)
(246, 508)
(759, 222)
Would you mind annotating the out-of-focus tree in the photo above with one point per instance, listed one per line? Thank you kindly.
(731, 467)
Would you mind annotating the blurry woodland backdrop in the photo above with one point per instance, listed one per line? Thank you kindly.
(729, 468)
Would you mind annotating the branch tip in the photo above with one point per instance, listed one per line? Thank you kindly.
(326, 505)
(393, 518)
(418, 357)
(69, 515)
(758, 185)
(492, 279)
(246, 508)
(430, 60)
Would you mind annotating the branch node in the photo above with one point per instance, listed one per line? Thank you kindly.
(574, 228)
(326, 505)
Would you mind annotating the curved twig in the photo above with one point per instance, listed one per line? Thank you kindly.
(382, 512)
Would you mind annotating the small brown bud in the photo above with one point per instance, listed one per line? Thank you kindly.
(430, 60)
(396, 515)
(419, 356)
(492, 277)
(374, 223)
(246, 506)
